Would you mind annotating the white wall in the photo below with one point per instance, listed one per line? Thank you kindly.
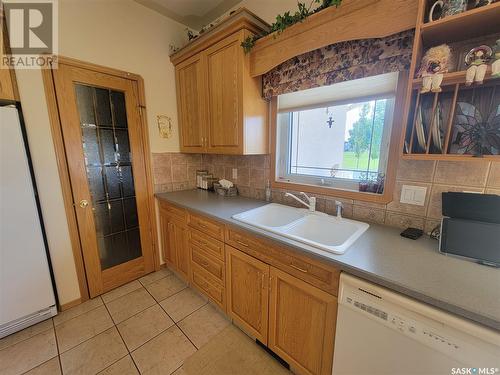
(269, 9)
(116, 33)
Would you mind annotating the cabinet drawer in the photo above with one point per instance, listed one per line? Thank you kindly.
(175, 212)
(314, 272)
(207, 226)
(207, 243)
(202, 280)
(214, 266)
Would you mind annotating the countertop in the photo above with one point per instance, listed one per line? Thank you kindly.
(382, 256)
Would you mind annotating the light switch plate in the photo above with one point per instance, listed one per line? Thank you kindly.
(235, 174)
(413, 195)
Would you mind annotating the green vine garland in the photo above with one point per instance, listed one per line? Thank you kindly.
(286, 20)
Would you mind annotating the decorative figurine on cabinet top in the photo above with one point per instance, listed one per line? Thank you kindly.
(434, 64)
(495, 67)
(476, 60)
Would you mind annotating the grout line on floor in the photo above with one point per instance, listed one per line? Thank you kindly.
(175, 323)
(177, 368)
(57, 347)
(116, 326)
(77, 316)
(118, 360)
(184, 333)
(30, 337)
(155, 336)
(164, 276)
(126, 294)
(129, 353)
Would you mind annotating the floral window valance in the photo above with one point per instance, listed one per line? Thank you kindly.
(340, 62)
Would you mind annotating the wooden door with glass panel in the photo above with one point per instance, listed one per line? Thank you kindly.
(101, 127)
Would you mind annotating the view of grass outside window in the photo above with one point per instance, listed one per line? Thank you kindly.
(338, 144)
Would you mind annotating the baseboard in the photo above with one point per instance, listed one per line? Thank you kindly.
(70, 304)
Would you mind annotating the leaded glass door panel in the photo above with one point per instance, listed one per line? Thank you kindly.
(101, 129)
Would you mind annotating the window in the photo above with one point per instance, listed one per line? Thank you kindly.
(337, 136)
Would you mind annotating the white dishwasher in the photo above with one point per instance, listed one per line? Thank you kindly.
(380, 332)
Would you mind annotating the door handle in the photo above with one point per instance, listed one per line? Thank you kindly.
(84, 203)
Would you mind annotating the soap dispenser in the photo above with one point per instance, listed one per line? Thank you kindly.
(268, 191)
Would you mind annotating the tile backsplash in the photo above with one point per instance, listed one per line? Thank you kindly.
(176, 171)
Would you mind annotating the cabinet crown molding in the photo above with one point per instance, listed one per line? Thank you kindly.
(241, 19)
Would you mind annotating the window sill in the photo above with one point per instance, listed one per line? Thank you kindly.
(384, 198)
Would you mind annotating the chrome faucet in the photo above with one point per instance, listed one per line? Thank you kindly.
(339, 207)
(312, 200)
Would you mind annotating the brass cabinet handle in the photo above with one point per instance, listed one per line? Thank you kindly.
(84, 203)
(298, 268)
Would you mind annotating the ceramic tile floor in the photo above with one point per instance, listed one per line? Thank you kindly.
(149, 326)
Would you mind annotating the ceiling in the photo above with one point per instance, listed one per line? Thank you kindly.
(192, 13)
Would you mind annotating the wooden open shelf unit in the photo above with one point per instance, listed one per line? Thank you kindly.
(466, 25)
(479, 22)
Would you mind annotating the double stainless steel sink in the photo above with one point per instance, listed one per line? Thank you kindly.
(329, 233)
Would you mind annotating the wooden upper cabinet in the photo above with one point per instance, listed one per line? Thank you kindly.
(221, 109)
(225, 95)
(190, 103)
(301, 324)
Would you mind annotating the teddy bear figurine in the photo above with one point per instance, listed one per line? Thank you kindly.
(495, 66)
(434, 64)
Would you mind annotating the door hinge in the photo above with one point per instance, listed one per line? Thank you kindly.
(140, 108)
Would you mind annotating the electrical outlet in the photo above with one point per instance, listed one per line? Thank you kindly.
(413, 195)
(235, 174)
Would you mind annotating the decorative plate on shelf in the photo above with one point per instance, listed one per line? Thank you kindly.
(438, 128)
(487, 51)
(472, 134)
(419, 128)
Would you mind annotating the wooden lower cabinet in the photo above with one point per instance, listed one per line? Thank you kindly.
(167, 236)
(258, 285)
(293, 318)
(302, 322)
(175, 247)
(248, 292)
(207, 259)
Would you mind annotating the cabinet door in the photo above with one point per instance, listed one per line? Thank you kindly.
(224, 63)
(7, 91)
(180, 244)
(247, 292)
(167, 238)
(301, 323)
(191, 98)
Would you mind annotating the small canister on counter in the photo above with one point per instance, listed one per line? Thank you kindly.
(199, 175)
(207, 182)
(211, 182)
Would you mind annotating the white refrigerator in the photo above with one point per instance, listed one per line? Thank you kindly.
(26, 288)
